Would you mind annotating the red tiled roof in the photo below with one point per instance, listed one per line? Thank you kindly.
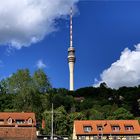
(17, 116)
(106, 124)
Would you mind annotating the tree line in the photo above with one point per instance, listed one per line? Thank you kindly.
(34, 93)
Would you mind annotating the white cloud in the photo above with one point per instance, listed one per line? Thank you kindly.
(40, 64)
(23, 22)
(123, 72)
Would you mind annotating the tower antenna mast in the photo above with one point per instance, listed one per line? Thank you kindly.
(71, 38)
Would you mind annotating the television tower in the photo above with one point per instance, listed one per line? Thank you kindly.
(71, 56)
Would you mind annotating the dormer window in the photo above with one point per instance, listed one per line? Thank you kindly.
(30, 121)
(9, 121)
(87, 128)
(115, 128)
(99, 127)
(1, 121)
(20, 121)
(129, 128)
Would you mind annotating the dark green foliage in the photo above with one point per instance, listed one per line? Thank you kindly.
(19, 81)
(6, 102)
(86, 104)
(60, 121)
(74, 116)
(4, 86)
(28, 100)
(93, 114)
(41, 81)
(121, 114)
(60, 97)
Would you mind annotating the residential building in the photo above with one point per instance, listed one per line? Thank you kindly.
(106, 130)
(17, 126)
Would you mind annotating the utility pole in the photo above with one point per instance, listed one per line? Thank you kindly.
(52, 123)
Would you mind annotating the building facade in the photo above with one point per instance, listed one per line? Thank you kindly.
(106, 130)
(17, 126)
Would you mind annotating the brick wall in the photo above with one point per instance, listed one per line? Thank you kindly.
(17, 133)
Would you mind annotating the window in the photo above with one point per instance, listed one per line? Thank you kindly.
(30, 121)
(115, 128)
(1, 121)
(9, 121)
(87, 128)
(99, 127)
(20, 121)
(100, 136)
(129, 128)
(115, 138)
(81, 137)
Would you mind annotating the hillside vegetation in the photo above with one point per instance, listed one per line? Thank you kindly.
(34, 93)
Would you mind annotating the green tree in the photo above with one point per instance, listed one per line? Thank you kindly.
(71, 118)
(28, 100)
(60, 121)
(65, 100)
(86, 104)
(45, 101)
(41, 81)
(108, 110)
(19, 81)
(6, 102)
(121, 114)
(93, 114)
(4, 86)
(60, 124)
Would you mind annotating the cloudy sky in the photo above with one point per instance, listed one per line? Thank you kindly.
(106, 36)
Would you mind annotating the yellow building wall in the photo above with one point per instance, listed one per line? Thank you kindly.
(105, 137)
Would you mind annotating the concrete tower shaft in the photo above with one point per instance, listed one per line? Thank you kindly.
(71, 56)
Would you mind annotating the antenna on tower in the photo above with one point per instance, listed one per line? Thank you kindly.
(71, 40)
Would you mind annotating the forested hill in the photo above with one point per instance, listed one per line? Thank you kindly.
(105, 100)
(25, 92)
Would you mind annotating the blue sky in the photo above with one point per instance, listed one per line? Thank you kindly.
(106, 37)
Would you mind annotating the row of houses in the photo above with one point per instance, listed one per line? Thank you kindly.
(22, 126)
